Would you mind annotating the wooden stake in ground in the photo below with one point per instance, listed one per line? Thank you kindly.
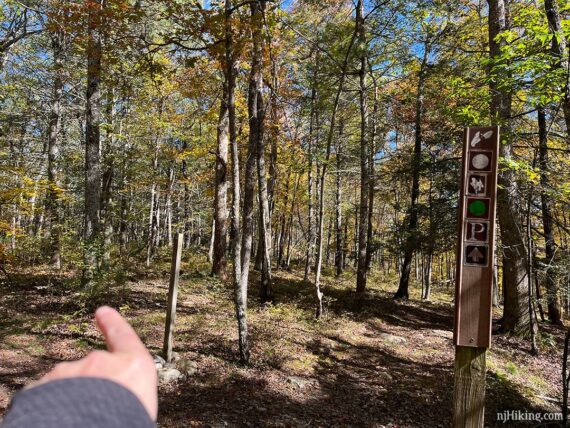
(474, 279)
(172, 297)
(469, 393)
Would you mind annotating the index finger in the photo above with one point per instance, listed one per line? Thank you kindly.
(118, 333)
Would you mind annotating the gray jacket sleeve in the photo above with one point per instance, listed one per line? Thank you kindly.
(77, 402)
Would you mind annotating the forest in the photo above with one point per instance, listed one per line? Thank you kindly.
(309, 152)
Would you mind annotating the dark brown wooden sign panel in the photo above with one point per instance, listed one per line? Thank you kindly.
(476, 242)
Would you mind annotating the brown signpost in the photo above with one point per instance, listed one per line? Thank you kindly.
(475, 260)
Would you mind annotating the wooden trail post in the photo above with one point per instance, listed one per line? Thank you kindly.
(474, 279)
(172, 297)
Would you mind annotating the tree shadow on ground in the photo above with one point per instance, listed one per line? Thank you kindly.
(363, 387)
(352, 384)
(372, 304)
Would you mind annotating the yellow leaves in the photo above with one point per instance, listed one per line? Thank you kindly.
(5, 227)
(9, 195)
(196, 152)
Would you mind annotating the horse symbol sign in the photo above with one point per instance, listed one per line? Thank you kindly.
(477, 184)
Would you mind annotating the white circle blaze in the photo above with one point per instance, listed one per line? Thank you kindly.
(480, 161)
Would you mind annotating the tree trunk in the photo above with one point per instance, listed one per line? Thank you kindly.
(108, 176)
(560, 54)
(52, 208)
(219, 262)
(283, 223)
(529, 251)
(240, 288)
(361, 273)
(106, 220)
(249, 183)
(266, 290)
(428, 265)
(211, 247)
(157, 211)
(339, 247)
(169, 210)
(516, 317)
(310, 230)
(186, 201)
(290, 223)
(321, 195)
(123, 223)
(371, 165)
(273, 133)
(427, 274)
(256, 109)
(411, 240)
(153, 216)
(328, 246)
(92, 143)
(553, 306)
(258, 264)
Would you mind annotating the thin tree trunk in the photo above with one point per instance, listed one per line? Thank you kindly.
(362, 270)
(258, 265)
(186, 202)
(532, 319)
(249, 179)
(106, 191)
(411, 240)
(153, 218)
(310, 230)
(553, 306)
(345, 245)
(290, 223)
(106, 221)
(256, 108)
(318, 292)
(52, 206)
(92, 143)
(427, 279)
(560, 54)
(338, 259)
(537, 290)
(283, 223)
(328, 246)
(427, 271)
(123, 223)
(240, 288)
(211, 247)
(371, 166)
(273, 134)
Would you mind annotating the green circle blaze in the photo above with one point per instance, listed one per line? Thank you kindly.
(477, 208)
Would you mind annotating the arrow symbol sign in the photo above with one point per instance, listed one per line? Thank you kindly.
(476, 255)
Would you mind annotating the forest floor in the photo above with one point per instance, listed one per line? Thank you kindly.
(370, 362)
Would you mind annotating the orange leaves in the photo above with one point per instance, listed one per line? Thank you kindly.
(112, 19)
